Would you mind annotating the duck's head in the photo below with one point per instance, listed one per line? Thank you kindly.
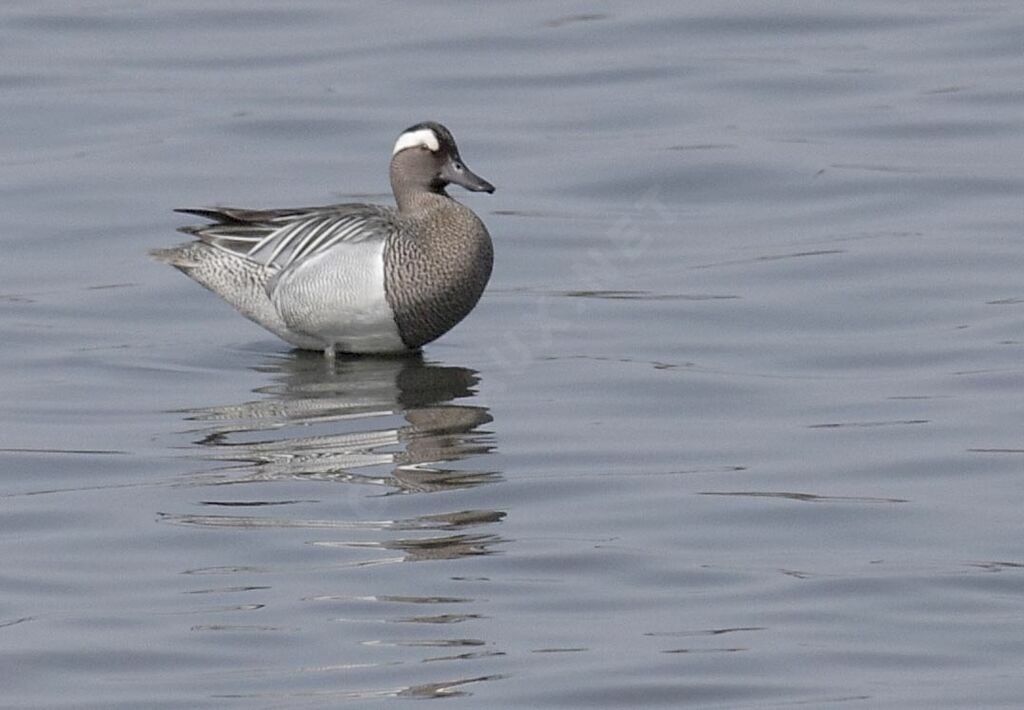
(426, 158)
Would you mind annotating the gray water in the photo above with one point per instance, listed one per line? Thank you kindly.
(737, 424)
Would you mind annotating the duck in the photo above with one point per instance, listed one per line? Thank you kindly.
(353, 278)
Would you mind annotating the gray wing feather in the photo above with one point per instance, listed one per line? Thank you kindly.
(280, 239)
(305, 238)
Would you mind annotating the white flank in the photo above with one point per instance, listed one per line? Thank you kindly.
(424, 137)
(337, 297)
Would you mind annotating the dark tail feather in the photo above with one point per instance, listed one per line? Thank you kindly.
(224, 215)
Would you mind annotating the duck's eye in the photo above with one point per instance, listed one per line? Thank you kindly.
(458, 166)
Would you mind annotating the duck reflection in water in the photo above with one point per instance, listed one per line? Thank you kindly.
(386, 422)
(363, 413)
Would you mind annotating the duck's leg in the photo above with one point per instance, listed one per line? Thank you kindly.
(329, 352)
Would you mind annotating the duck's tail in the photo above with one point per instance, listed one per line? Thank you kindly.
(238, 280)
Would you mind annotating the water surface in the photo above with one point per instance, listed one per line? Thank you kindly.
(737, 423)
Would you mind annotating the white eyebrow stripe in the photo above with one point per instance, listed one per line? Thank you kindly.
(424, 137)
